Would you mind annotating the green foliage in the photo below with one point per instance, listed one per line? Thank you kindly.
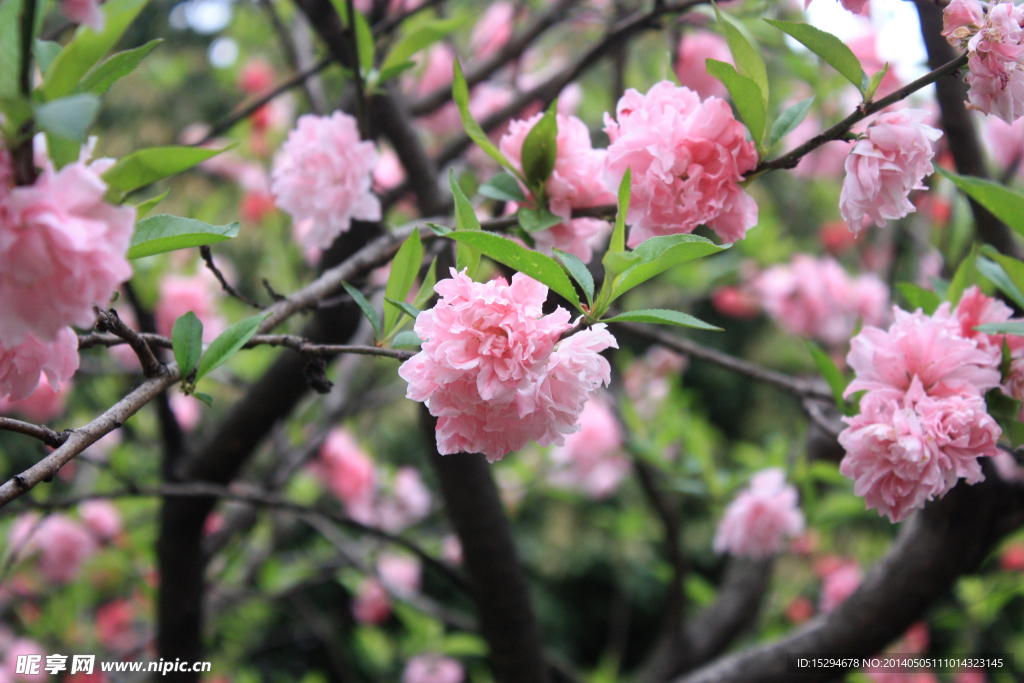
(1006, 272)
(788, 121)
(535, 220)
(872, 83)
(578, 271)
(836, 382)
(69, 117)
(503, 187)
(466, 257)
(187, 342)
(404, 269)
(834, 51)
(116, 67)
(657, 254)
(228, 343)
(965, 276)
(460, 93)
(539, 150)
(367, 309)
(747, 97)
(919, 297)
(663, 317)
(146, 166)
(748, 61)
(163, 233)
(1005, 204)
(421, 37)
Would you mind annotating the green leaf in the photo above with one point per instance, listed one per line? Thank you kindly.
(423, 36)
(1001, 406)
(404, 269)
(618, 241)
(163, 233)
(205, 398)
(460, 93)
(1015, 431)
(1008, 327)
(826, 46)
(662, 316)
(440, 230)
(827, 368)
(149, 165)
(228, 344)
(748, 60)
(427, 288)
(919, 297)
(17, 110)
(387, 73)
(542, 268)
(69, 117)
(965, 276)
(145, 207)
(789, 120)
(579, 272)
(466, 258)
(364, 43)
(998, 275)
(535, 220)
(407, 338)
(657, 254)
(366, 307)
(62, 151)
(10, 47)
(539, 149)
(187, 342)
(45, 52)
(1005, 204)
(402, 306)
(873, 83)
(99, 80)
(464, 645)
(504, 187)
(87, 48)
(745, 95)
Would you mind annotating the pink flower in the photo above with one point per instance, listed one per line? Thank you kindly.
(114, 622)
(388, 172)
(577, 182)
(840, 582)
(409, 502)
(102, 517)
(187, 411)
(349, 473)
(451, 550)
(179, 295)
(590, 460)
(960, 20)
(25, 647)
(372, 604)
(883, 167)
(324, 173)
(816, 298)
(85, 12)
(996, 56)
(62, 250)
(761, 517)
(63, 545)
(687, 158)
(433, 669)
(25, 365)
(492, 30)
(490, 371)
(45, 403)
(903, 452)
(855, 6)
(255, 76)
(929, 348)
(1005, 142)
(399, 573)
(695, 48)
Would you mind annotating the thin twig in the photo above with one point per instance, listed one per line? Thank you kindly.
(41, 432)
(109, 320)
(207, 255)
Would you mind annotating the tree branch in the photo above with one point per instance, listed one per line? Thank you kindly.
(42, 432)
(109, 320)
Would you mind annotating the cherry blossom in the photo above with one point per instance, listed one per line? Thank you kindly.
(761, 517)
(433, 669)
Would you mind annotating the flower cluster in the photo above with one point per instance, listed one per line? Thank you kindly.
(892, 158)
(323, 177)
(995, 48)
(591, 460)
(575, 183)
(923, 422)
(492, 368)
(63, 544)
(761, 517)
(816, 298)
(686, 157)
(62, 250)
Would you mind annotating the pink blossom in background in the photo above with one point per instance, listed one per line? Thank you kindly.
(648, 380)
(213, 523)
(188, 411)
(736, 302)
(590, 460)
(451, 550)
(388, 173)
(102, 517)
(492, 30)
(976, 308)
(971, 676)
(438, 74)
(916, 639)
(85, 12)
(114, 622)
(24, 366)
(686, 157)
(816, 298)
(62, 250)
(1011, 559)
(904, 452)
(179, 295)
(349, 473)
(761, 517)
(889, 676)
(826, 161)
(865, 49)
(695, 48)
(929, 348)
(21, 647)
(399, 573)
(371, 603)
(836, 238)
(891, 160)
(255, 76)
(490, 370)
(1005, 142)
(45, 403)
(408, 503)
(855, 6)
(433, 669)
(1008, 468)
(62, 544)
(324, 173)
(577, 182)
(800, 610)
(840, 580)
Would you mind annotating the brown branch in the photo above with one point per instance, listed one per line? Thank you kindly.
(41, 432)
(207, 255)
(949, 538)
(109, 320)
(792, 158)
(81, 438)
